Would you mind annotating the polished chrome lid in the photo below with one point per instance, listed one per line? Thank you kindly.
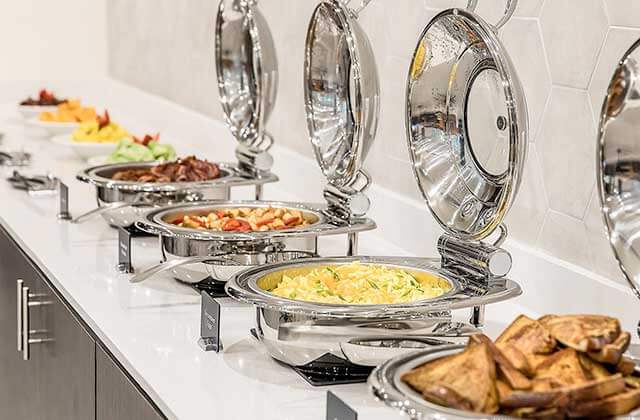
(247, 71)
(618, 164)
(466, 120)
(341, 91)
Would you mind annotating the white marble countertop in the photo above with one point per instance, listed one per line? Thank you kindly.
(153, 327)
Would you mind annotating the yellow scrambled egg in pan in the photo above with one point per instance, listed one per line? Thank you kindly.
(361, 284)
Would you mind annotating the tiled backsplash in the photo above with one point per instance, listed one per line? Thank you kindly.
(564, 51)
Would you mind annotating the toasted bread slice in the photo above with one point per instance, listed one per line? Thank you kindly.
(516, 357)
(582, 332)
(626, 366)
(563, 367)
(539, 413)
(468, 376)
(528, 335)
(512, 376)
(524, 343)
(535, 399)
(592, 369)
(632, 382)
(597, 389)
(443, 395)
(614, 405)
(611, 353)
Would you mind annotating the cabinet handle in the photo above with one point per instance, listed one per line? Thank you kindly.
(26, 331)
(19, 286)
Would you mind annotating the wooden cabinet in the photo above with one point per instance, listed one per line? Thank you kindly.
(116, 395)
(67, 375)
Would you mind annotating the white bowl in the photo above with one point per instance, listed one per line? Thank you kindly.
(32, 111)
(53, 128)
(84, 150)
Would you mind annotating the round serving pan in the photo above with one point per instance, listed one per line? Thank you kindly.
(298, 332)
(158, 222)
(123, 202)
(234, 251)
(386, 385)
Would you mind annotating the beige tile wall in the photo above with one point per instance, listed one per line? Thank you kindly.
(564, 51)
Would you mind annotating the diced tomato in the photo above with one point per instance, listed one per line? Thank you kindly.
(178, 220)
(235, 225)
(220, 214)
(291, 220)
(244, 226)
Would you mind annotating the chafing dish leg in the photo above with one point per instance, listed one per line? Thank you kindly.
(97, 211)
(170, 265)
(259, 190)
(477, 316)
(352, 244)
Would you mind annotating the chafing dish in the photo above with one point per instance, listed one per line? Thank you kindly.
(298, 332)
(467, 133)
(247, 80)
(121, 203)
(618, 165)
(342, 97)
(225, 253)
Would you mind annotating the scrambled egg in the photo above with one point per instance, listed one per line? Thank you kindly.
(361, 284)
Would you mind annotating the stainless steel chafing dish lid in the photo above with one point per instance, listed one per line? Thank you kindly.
(466, 121)
(247, 71)
(618, 164)
(250, 286)
(100, 176)
(341, 91)
(155, 222)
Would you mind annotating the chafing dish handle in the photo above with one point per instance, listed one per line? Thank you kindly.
(170, 265)
(99, 210)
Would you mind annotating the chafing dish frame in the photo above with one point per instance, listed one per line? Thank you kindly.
(297, 332)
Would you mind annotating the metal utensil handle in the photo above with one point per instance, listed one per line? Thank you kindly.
(99, 210)
(170, 265)
(509, 9)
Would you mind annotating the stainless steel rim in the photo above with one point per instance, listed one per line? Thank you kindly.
(243, 287)
(230, 176)
(153, 223)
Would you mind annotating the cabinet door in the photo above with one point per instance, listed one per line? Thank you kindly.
(17, 377)
(65, 379)
(116, 396)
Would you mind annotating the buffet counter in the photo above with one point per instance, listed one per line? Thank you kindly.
(152, 328)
